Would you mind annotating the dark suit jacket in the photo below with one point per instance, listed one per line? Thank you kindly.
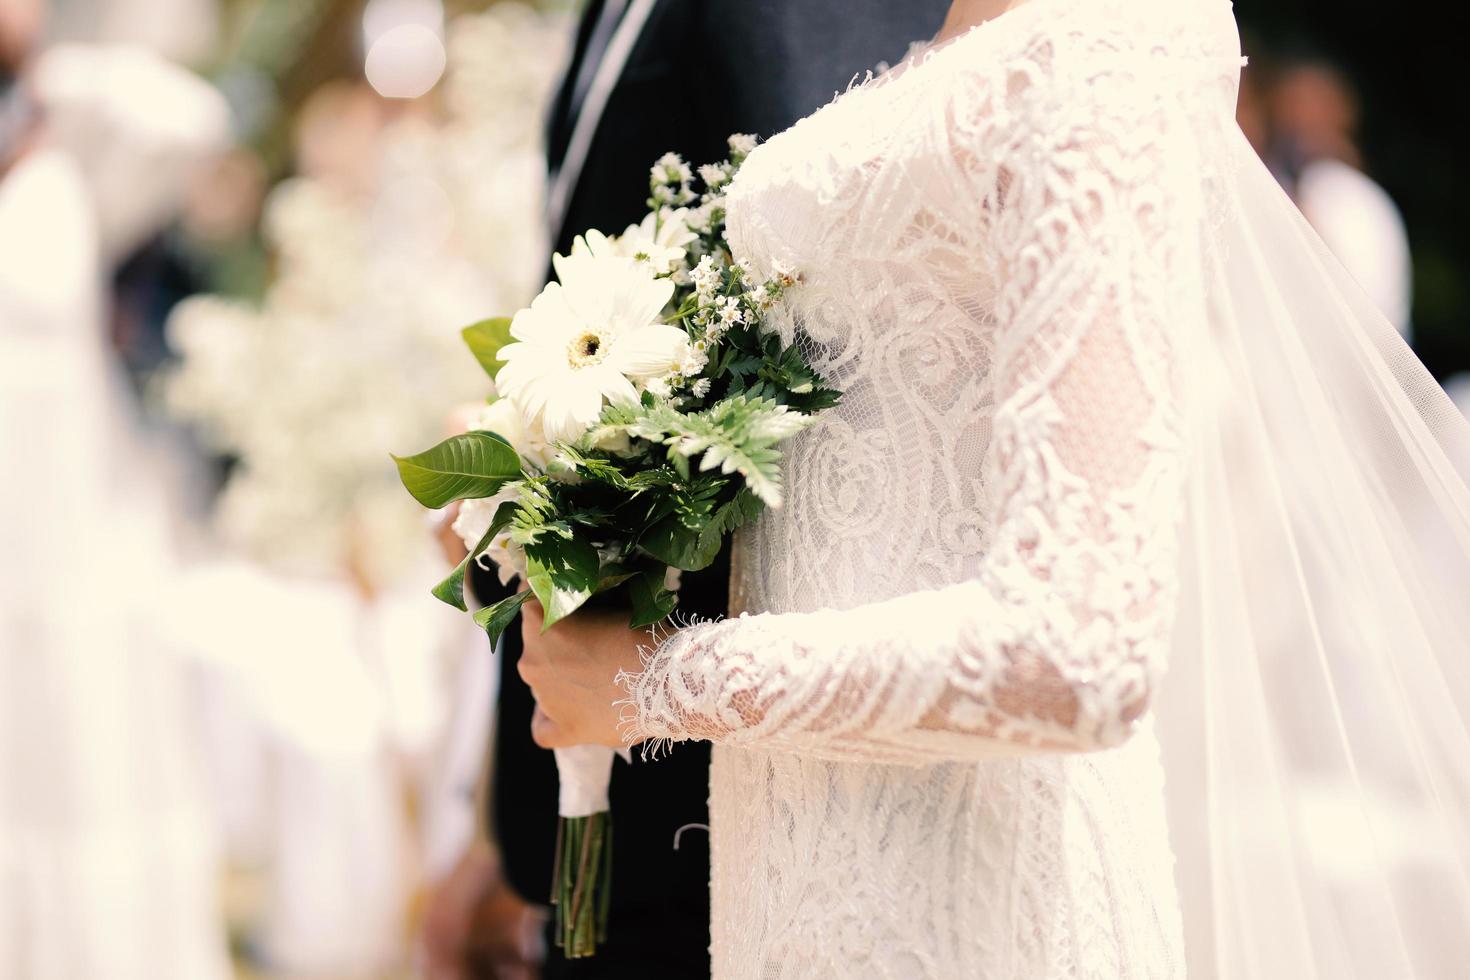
(700, 71)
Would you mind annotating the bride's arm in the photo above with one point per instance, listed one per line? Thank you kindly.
(1059, 642)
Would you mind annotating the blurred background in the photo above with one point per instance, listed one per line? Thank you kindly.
(237, 241)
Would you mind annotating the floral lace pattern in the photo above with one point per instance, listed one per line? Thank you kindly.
(933, 750)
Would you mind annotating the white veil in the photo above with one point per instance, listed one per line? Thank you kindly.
(1313, 717)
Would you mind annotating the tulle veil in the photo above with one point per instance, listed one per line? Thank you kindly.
(1313, 716)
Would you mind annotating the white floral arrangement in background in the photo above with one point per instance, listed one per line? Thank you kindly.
(306, 390)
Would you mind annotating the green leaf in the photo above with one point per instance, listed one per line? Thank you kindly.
(652, 603)
(613, 575)
(737, 435)
(691, 537)
(494, 619)
(734, 514)
(474, 464)
(485, 339)
(674, 543)
(451, 590)
(563, 573)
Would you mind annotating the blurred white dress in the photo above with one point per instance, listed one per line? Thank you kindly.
(1363, 227)
(107, 866)
(107, 860)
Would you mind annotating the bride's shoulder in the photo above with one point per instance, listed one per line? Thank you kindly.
(1059, 45)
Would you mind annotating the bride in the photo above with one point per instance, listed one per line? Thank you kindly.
(1110, 408)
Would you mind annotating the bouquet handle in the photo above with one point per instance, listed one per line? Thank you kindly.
(581, 879)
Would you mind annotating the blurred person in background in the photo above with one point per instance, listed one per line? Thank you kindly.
(108, 866)
(1303, 115)
(758, 75)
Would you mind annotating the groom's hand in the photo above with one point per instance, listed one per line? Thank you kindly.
(571, 669)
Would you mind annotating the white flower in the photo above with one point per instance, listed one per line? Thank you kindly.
(760, 296)
(714, 176)
(671, 169)
(509, 558)
(701, 219)
(504, 418)
(586, 340)
(475, 518)
(700, 388)
(659, 387)
(707, 279)
(741, 145)
(730, 312)
(615, 442)
(693, 359)
(662, 239)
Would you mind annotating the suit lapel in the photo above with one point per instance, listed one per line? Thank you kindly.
(561, 113)
(585, 113)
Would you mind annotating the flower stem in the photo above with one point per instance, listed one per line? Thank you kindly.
(582, 883)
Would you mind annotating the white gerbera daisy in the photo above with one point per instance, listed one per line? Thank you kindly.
(587, 340)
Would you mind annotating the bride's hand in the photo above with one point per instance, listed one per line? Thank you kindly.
(570, 669)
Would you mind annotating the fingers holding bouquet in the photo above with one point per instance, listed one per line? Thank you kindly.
(572, 670)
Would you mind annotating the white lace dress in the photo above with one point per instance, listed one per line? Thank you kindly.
(933, 749)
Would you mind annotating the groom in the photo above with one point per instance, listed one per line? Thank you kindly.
(646, 77)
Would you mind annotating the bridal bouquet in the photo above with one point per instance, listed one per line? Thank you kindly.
(639, 406)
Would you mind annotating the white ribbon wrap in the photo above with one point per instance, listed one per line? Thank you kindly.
(584, 773)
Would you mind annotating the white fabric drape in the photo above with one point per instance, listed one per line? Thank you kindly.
(1315, 710)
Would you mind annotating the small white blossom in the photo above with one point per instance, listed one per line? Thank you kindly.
(700, 388)
(730, 312)
(694, 359)
(714, 176)
(671, 169)
(741, 145)
(760, 296)
(658, 387)
(701, 219)
(707, 280)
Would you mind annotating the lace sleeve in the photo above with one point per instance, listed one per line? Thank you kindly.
(1058, 643)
